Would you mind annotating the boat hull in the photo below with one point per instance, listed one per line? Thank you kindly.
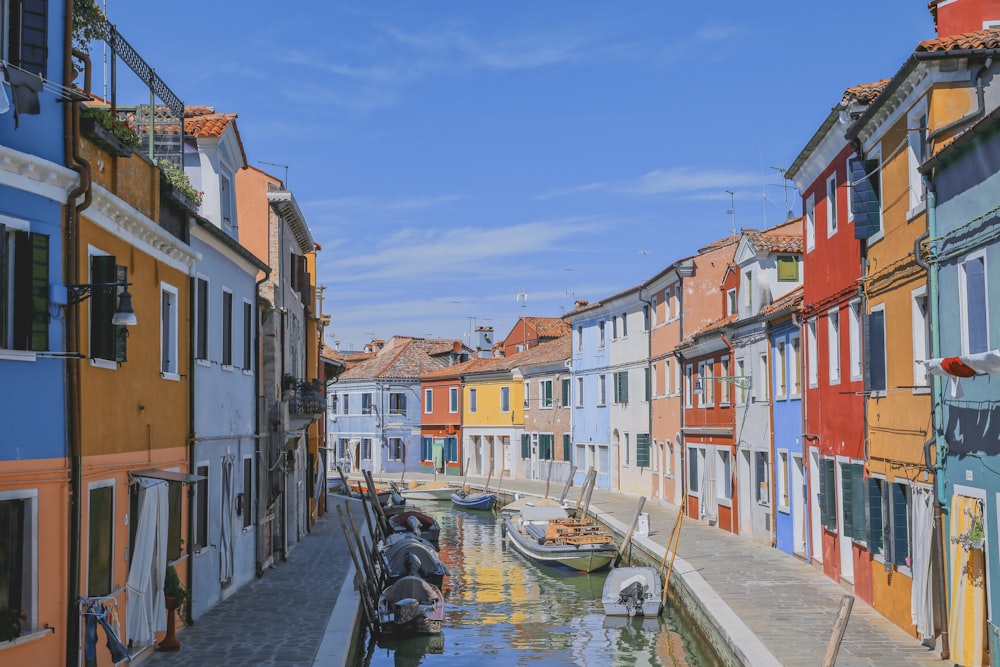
(411, 606)
(427, 494)
(645, 603)
(582, 558)
(483, 501)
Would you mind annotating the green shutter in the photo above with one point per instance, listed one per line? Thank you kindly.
(39, 292)
(102, 270)
(875, 523)
(4, 287)
(647, 377)
(642, 450)
(565, 392)
(900, 528)
(858, 508)
(121, 332)
(567, 451)
(525, 446)
(847, 499)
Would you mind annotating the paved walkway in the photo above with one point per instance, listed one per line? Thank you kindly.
(777, 609)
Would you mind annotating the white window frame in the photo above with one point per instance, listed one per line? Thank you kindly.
(916, 139)
(667, 294)
(247, 337)
(764, 386)
(602, 390)
(654, 378)
(885, 351)
(921, 338)
(833, 344)
(232, 327)
(602, 334)
(473, 400)
(780, 368)
(653, 319)
(696, 453)
(107, 364)
(875, 155)
(428, 401)
(963, 298)
(505, 398)
(29, 581)
(854, 339)
(527, 393)
(579, 392)
(831, 205)
(731, 304)
(812, 353)
(781, 473)
(579, 338)
(453, 400)
(173, 371)
(795, 365)
(541, 394)
(207, 359)
(741, 392)
(810, 212)
(99, 484)
(723, 481)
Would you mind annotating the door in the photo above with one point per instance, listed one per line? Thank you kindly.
(846, 552)
(816, 534)
(797, 492)
(745, 494)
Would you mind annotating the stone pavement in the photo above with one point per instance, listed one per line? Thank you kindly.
(279, 619)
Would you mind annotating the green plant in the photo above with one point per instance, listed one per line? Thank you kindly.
(973, 536)
(118, 128)
(178, 178)
(88, 24)
(10, 624)
(289, 381)
(172, 587)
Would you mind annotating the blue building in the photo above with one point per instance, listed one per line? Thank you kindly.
(589, 390)
(964, 228)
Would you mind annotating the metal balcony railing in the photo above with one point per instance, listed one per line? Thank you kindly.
(308, 399)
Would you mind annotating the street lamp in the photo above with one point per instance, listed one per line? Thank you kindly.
(124, 315)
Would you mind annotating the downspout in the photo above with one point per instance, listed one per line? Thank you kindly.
(975, 113)
(734, 454)
(192, 431)
(649, 370)
(940, 445)
(258, 456)
(683, 401)
(71, 120)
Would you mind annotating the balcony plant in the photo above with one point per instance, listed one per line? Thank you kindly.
(110, 133)
(974, 536)
(88, 24)
(177, 179)
(174, 589)
(10, 624)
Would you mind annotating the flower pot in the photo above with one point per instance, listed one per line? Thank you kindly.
(170, 642)
(93, 130)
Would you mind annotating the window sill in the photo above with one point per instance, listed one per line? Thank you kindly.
(203, 362)
(106, 364)
(27, 638)
(921, 390)
(726, 502)
(16, 355)
(915, 211)
(784, 509)
(247, 372)
(173, 377)
(229, 368)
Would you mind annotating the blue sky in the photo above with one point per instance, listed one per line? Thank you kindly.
(449, 155)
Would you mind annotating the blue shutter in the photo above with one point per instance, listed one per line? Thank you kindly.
(847, 499)
(425, 449)
(875, 522)
(900, 527)
(451, 444)
(975, 291)
(875, 351)
(864, 197)
(566, 447)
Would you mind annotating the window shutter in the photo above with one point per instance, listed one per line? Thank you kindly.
(858, 506)
(566, 447)
(646, 379)
(28, 47)
(39, 292)
(875, 351)
(102, 340)
(4, 286)
(900, 528)
(642, 450)
(121, 332)
(202, 340)
(847, 499)
(864, 197)
(565, 392)
(22, 293)
(452, 444)
(525, 446)
(875, 523)
(545, 446)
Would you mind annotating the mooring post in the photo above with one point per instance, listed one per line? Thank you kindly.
(837, 636)
(359, 578)
(569, 483)
(628, 535)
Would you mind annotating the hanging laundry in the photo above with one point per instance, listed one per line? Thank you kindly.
(96, 613)
(4, 101)
(24, 88)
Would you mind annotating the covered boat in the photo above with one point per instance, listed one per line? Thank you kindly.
(411, 606)
(547, 535)
(428, 491)
(516, 506)
(418, 523)
(412, 557)
(632, 591)
(477, 501)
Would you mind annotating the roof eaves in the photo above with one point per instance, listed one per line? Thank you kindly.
(284, 203)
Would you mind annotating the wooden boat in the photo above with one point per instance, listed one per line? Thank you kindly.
(548, 536)
(418, 523)
(411, 606)
(394, 538)
(516, 506)
(428, 491)
(632, 591)
(477, 501)
(412, 557)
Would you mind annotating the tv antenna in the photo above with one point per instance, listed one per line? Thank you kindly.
(732, 209)
(275, 164)
(786, 187)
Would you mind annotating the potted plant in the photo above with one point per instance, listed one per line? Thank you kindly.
(178, 601)
(177, 184)
(111, 134)
(288, 384)
(974, 536)
(10, 624)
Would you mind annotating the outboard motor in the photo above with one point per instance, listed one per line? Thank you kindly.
(412, 565)
(406, 610)
(414, 524)
(631, 597)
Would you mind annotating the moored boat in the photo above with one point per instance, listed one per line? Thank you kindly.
(412, 557)
(477, 501)
(632, 591)
(411, 606)
(428, 491)
(548, 536)
(418, 523)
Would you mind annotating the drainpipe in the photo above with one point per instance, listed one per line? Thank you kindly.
(734, 454)
(71, 120)
(649, 365)
(258, 455)
(975, 113)
(940, 445)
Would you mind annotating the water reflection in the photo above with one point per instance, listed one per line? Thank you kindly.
(502, 609)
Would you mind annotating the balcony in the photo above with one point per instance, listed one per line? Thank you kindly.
(306, 402)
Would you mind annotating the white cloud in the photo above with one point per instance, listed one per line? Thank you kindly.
(664, 181)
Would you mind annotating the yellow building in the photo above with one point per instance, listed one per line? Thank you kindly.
(492, 416)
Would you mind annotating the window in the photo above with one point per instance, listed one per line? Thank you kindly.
(600, 335)
(621, 387)
(795, 364)
(667, 295)
(174, 521)
(395, 449)
(694, 479)
(645, 318)
(854, 338)
(810, 223)
(852, 501)
(452, 399)
(765, 378)
(527, 394)
(226, 201)
(706, 374)
(782, 475)
(366, 404)
(565, 392)
(227, 328)
(366, 449)
(428, 401)
(788, 268)
(100, 538)
(579, 338)
(24, 286)
(25, 35)
(201, 335)
(866, 195)
(921, 336)
(876, 517)
(762, 478)
(828, 494)
(916, 135)
(397, 403)
(168, 331)
(724, 474)
(579, 392)
(624, 325)
(346, 403)
(875, 360)
(248, 330)
(646, 384)
(19, 554)
(813, 358)
(505, 398)
(688, 389)
(655, 315)
(741, 396)
(642, 450)
(107, 341)
(246, 502)
(888, 517)
(545, 392)
(628, 449)
(657, 379)
(525, 445)
(567, 450)
(472, 400)
(731, 301)
(833, 344)
(546, 446)
(614, 328)
(974, 305)
(831, 205)
(748, 290)
(201, 508)
(602, 389)
(780, 372)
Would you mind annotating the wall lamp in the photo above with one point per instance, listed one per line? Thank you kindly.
(124, 315)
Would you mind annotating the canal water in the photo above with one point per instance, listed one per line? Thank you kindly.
(502, 609)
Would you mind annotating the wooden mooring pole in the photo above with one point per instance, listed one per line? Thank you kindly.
(569, 483)
(837, 636)
(360, 583)
(628, 536)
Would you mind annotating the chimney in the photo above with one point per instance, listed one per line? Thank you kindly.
(958, 16)
(484, 345)
(456, 346)
(580, 303)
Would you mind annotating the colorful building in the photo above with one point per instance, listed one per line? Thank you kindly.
(492, 417)
(591, 406)
(546, 442)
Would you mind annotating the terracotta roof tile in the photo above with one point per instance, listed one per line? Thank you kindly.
(777, 238)
(709, 328)
(865, 92)
(966, 41)
(791, 300)
(476, 365)
(549, 327)
(559, 349)
(410, 359)
(208, 126)
(721, 243)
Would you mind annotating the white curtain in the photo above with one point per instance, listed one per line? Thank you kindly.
(921, 597)
(146, 613)
(226, 530)
(709, 499)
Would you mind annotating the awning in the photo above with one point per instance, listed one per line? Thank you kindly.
(168, 475)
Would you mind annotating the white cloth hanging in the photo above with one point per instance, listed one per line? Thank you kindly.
(709, 500)
(921, 596)
(226, 566)
(963, 366)
(146, 613)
